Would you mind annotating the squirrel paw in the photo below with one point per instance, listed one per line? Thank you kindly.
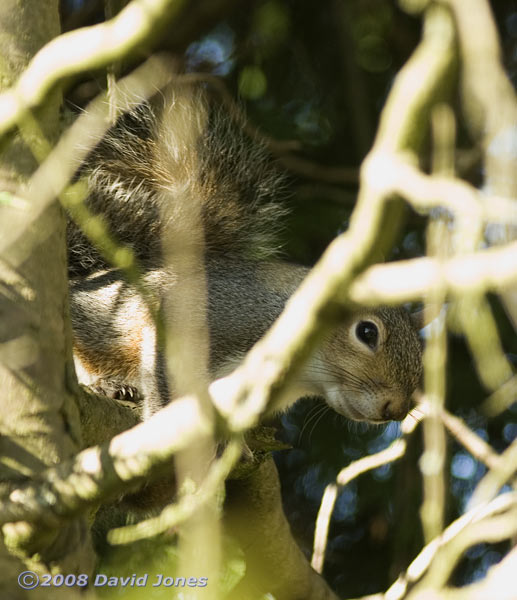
(117, 390)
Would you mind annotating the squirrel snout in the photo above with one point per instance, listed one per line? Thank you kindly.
(395, 411)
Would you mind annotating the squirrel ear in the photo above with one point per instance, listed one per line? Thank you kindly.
(417, 318)
(421, 318)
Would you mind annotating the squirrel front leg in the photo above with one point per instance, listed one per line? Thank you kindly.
(116, 348)
(110, 322)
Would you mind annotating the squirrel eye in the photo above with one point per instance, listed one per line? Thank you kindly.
(367, 332)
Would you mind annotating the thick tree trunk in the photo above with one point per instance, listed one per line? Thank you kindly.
(39, 421)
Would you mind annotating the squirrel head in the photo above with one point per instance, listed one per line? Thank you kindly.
(369, 366)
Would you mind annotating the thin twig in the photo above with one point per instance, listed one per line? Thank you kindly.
(432, 551)
(390, 454)
(497, 476)
(472, 442)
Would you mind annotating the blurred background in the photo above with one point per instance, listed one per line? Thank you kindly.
(313, 77)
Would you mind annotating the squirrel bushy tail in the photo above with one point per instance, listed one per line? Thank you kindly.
(178, 143)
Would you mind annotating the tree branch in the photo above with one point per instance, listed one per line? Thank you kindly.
(82, 50)
(408, 280)
(99, 473)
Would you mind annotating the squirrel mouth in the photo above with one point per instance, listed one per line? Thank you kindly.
(343, 405)
(352, 413)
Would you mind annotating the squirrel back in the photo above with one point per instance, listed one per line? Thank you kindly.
(179, 143)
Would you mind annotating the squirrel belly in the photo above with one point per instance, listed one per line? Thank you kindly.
(168, 159)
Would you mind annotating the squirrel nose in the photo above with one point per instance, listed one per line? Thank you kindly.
(392, 411)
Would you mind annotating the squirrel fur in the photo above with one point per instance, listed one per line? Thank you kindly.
(177, 155)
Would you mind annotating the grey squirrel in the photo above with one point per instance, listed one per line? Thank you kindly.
(178, 149)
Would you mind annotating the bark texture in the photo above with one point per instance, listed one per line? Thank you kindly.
(39, 421)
